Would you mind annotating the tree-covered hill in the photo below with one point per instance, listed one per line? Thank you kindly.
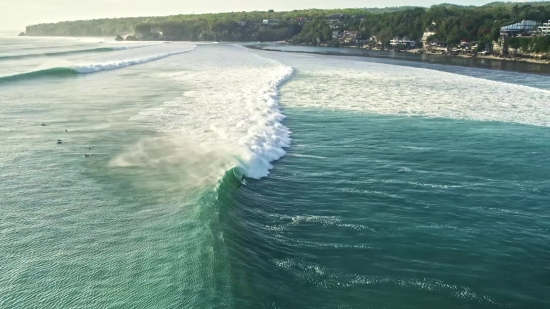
(450, 22)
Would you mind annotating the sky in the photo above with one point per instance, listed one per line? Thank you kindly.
(16, 14)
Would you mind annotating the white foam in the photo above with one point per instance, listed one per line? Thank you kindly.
(126, 47)
(91, 68)
(337, 84)
(230, 104)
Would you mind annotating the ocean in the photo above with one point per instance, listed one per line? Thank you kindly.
(368, 182)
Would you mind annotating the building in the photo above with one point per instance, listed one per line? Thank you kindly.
(349, 37)
(405, 42)
(271, 22)
(525, 27)
(252, 25)
(335, 34)
(467, 44)
(545, 28)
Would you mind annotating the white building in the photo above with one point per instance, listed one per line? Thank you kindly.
(545, 28)
(271, 22)
(405, 41)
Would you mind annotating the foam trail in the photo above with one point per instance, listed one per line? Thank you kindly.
(134, 47)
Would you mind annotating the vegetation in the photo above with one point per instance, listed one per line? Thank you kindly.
(451, 23)
(530, 45)
(194, 23)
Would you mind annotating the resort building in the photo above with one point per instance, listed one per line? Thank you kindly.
(545, 28)
(525, 27)
(348, 37)
(405, 42)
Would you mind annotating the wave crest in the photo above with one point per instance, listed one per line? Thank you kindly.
(90, 68)
(72, 52)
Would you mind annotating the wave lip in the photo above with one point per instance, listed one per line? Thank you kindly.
(86, 69)
(268, 145)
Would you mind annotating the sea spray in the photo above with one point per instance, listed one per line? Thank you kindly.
(197, 164)
(233, 108)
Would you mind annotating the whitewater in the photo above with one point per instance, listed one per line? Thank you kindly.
(240, 105)
(368, 182)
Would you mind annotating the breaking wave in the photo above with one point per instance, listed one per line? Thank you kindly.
(85, 69)
(230, 109)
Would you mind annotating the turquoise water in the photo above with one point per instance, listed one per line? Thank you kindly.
(401, 187)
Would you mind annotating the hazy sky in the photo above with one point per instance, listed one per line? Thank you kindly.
(16, 14)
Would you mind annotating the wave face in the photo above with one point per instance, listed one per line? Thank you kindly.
(230, 108)
(90, 68)
(74, 52)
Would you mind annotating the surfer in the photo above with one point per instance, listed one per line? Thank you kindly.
(242, 179)
(66, 131)
(59, 141)
(43, 124)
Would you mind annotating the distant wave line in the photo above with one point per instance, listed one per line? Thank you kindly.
(73, 52)
(86, 69)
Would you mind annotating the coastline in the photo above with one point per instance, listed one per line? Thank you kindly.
(258, 45)
(521, 65)
(489, 57)
(518, 59)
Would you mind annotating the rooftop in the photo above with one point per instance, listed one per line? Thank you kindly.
(524, 25)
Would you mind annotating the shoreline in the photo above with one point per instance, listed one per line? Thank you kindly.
(489, 57)
(523, 65)
(419, 51)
